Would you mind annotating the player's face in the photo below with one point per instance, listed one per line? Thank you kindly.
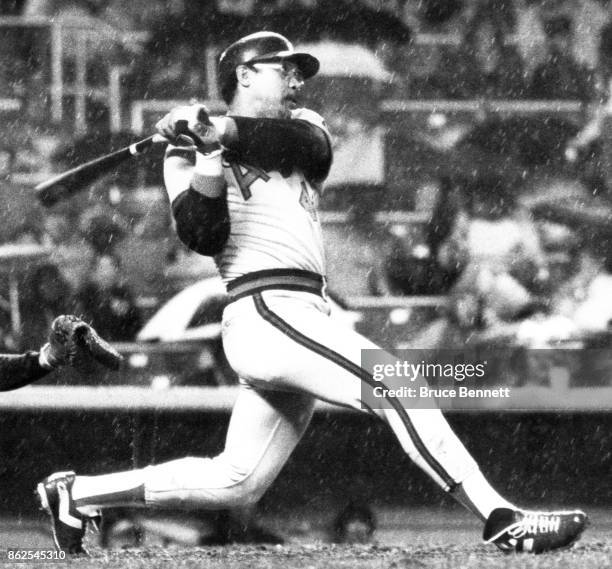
(275, 88)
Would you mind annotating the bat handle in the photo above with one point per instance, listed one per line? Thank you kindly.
(143, 145)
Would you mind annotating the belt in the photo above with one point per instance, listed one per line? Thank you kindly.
(283, 279)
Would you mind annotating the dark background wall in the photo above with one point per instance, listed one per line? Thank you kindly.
(547, 459)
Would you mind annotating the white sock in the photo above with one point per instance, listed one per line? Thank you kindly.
(482, 495)
(118, 489)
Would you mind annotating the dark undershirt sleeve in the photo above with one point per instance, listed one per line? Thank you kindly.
(283, 145)
(17, 370)
(202, 223)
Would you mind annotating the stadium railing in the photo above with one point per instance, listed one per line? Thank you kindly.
(135, 399)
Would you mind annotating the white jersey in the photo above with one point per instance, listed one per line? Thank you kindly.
(273, 219)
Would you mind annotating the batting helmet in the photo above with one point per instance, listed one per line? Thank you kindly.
(260, 47)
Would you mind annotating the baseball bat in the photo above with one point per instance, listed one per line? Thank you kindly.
(76, 179)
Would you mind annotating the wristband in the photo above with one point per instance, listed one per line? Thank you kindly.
(226, 130)
(207, 177)
(220, 125)
(208, 164)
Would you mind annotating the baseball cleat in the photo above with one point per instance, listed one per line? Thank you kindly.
(67, 524)
(532, 531)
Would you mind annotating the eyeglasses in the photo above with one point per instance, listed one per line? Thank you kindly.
(286, 70)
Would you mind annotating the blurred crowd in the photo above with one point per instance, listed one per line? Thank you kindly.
(457, 49)
(66, 263)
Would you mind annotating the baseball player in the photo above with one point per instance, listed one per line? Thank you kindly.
(244, 188)
(70, 341)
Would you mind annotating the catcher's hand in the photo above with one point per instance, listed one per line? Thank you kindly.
(189, 125)
(72, 342)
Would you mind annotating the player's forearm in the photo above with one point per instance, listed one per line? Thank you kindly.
(196, 189)
(184, 168)
(17, 370)
(277, 144)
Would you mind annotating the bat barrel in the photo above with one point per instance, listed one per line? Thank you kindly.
(76, 179)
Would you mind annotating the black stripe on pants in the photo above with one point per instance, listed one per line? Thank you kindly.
(362, 374)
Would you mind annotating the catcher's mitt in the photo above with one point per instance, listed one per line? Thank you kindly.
(73, 342)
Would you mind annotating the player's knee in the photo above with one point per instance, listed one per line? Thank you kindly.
(244, 484)
(213, 483)
(247, 489)
(246, 495)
